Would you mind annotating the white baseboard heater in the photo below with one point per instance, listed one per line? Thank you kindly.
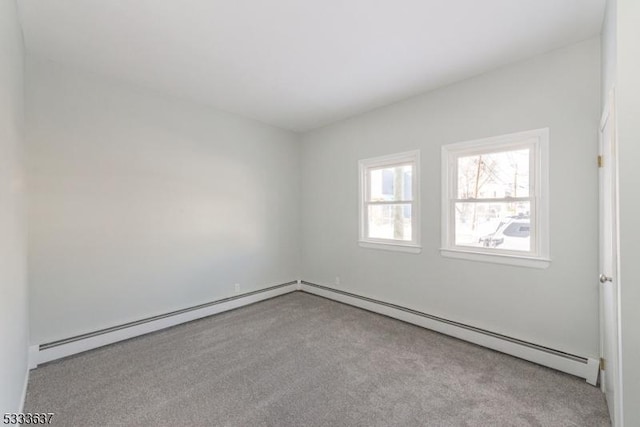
(584, 367)
(50, 351)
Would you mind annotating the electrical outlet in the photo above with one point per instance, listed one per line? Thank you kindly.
(236, 287)
(337, 280)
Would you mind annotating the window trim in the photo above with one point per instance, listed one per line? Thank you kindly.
(366, 165)
(538, 142)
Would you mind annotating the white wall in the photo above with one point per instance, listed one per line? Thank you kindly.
(13, 284)
(628, 109)
(141, 204)
(621, 68)
(556, 307)
(609, 50)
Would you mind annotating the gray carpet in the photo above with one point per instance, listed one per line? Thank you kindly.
(301, 360)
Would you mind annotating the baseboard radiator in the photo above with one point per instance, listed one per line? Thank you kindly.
(50, 351)
(584, 367)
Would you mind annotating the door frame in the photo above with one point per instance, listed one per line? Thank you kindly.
(608, 114)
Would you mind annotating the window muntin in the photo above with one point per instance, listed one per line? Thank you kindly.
(389, 210)
(495, 196)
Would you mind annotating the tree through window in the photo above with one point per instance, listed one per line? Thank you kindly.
(389, 209)
(495, 195)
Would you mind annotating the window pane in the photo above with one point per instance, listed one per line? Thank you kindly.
(391, 184)
(390, 222)
(494, 175)
(494, 225)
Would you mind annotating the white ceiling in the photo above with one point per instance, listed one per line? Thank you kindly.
(300, 64)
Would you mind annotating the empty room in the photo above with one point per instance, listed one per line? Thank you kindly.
(337, 213)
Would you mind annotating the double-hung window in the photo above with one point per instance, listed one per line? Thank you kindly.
(495, 199)
(389, 208)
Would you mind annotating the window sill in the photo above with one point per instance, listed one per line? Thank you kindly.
(517, 260)
(391, 247)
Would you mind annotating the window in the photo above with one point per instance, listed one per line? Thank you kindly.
(389, 208)
(495, 199)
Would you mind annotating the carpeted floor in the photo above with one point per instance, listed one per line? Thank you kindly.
(301, 360)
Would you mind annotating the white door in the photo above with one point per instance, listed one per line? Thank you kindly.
(609, 326)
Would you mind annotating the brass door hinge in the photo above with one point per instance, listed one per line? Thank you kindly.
(602, 364)
(600, 161)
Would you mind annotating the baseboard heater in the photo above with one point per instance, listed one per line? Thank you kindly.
(47, 352)
(584, 367)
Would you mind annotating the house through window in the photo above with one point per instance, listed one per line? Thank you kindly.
(495, 197)
(389, 209)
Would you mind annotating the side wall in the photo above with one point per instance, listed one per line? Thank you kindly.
(142, 204)
(628, 109)
(609, 50)
(555, 307)
(13, 281)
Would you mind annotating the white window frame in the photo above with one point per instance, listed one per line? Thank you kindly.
(538, 143)
(366, 165)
